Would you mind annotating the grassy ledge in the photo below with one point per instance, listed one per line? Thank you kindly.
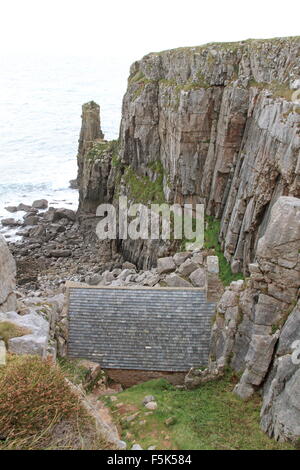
(208, 418)
(211, 241)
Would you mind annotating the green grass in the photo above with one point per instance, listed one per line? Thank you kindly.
(142, 189)
(100, 149)
(211, 241)
(210, 417)
(278, 90)
(73, 370)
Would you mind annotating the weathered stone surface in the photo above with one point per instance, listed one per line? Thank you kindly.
(186, 268)
(151, 405)
(180, 257)
(11, 209)
(2, 353)
(10, 222)
(148, 398)
(31, 220)
(60, 253)
(198, 278)
(173, 280)
(212, 264)
(165, 265)
(34, 343)
(258, 339)
(24, 207)
(7, 278)
(40, 204)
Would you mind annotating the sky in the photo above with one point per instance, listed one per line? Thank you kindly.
(129, 29)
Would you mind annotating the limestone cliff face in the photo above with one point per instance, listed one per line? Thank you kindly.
(214, 124)
(89, 175)
(258, 321)
(220, 119)
(7, 278)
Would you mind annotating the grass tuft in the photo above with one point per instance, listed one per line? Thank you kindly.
(38, 410)
(211, 241)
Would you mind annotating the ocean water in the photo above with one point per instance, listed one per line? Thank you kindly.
(40, 119)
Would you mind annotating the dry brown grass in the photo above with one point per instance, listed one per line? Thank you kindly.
(39, 411)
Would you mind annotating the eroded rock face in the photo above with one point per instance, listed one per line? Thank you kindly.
(90, 134)
(219, 121)
(257, 323)
(280, 414)
(223, 139)
(7, 278)
(36, 333)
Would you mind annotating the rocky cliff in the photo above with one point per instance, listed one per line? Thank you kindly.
(216, 124)
(258, 321)
(7, 278)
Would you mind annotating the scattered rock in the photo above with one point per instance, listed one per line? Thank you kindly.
(10, 222)
(151, 405)
(173, 280)
(34, 343)
(60, 253)
(40, 204)
(187, 267)
(11, 209)
(198, 278)
(165, 265)
(148, 399)
(24, 207)
(170, 421)
(2, 353)
(136, 447)
(179, 258)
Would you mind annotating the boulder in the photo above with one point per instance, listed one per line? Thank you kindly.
(136, 447)
(165, 265)
(34, 343)
(60, 253)
(187, 267)
(7, 278)
(128, 265)
(40, 204)
(2, 353)
(148, 399)
(10, 222)
(173, 280)
(198, 278)
(94, 280)
(212, 264)
(11, 209)
(151, 405)
(63, 214)
(24, 207)
(180, 258)
(31, 220)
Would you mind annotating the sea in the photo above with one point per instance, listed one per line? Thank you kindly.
(40, 119)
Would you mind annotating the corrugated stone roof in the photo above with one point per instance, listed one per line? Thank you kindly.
(145, 329)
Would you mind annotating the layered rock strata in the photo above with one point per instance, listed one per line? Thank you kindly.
(258, 323)
(216, 124)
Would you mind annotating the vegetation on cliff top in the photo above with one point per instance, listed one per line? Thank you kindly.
(144, 190)
(208, 418)
(103, 148)
(38, 410)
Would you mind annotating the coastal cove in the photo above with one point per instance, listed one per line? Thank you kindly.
(153, 342)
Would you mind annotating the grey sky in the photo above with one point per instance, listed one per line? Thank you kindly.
(132, 28)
